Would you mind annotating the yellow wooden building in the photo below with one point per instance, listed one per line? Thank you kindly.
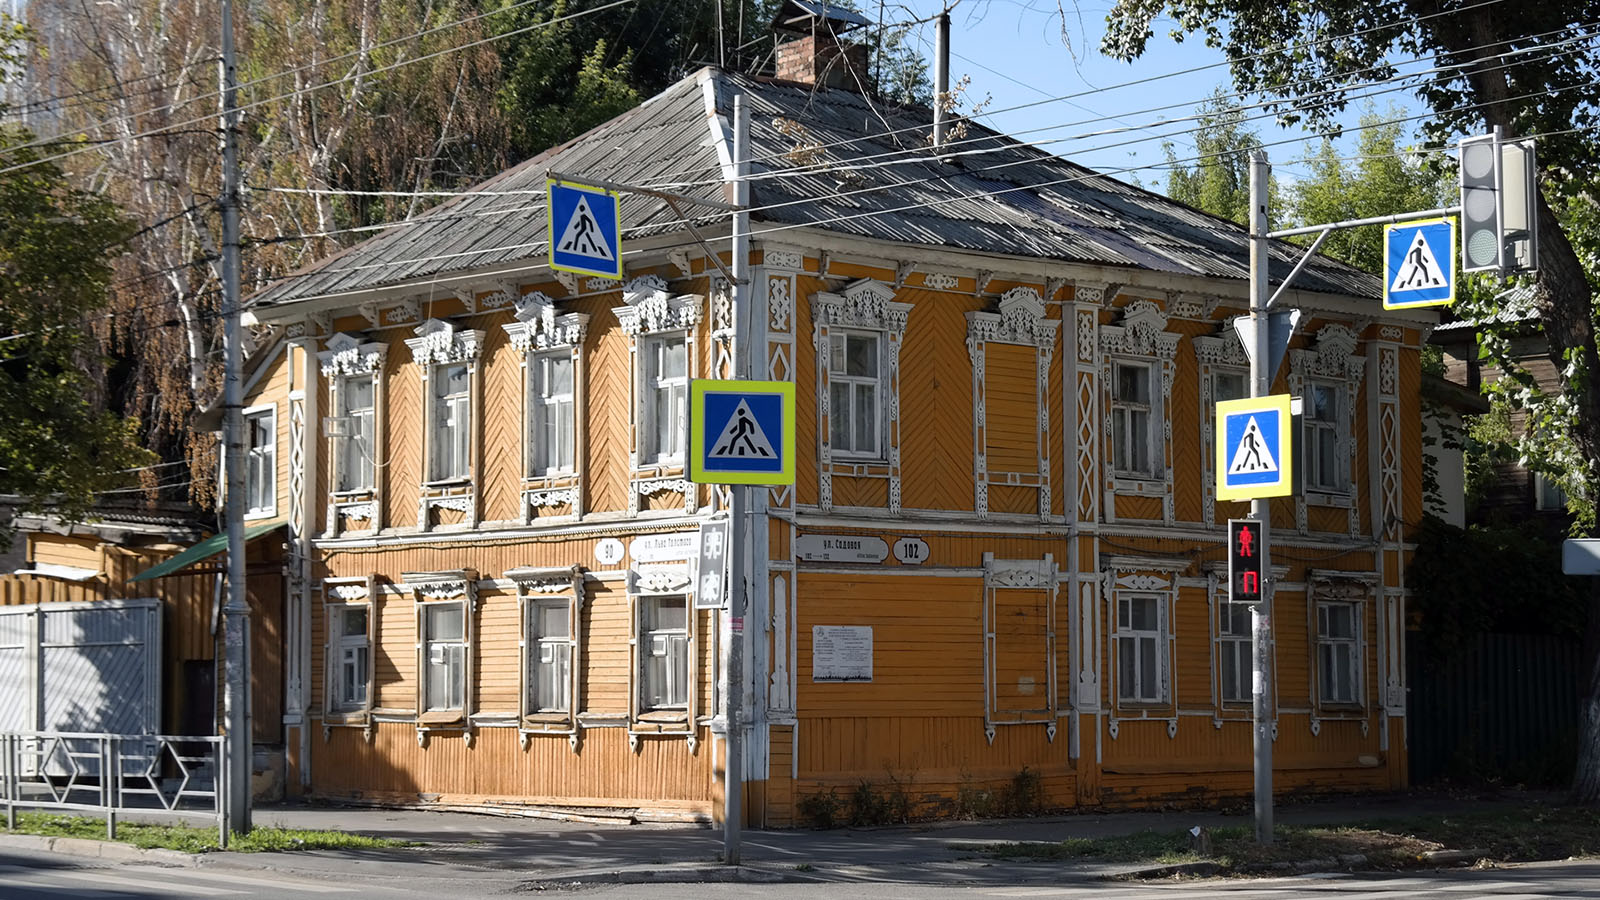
(998, 568)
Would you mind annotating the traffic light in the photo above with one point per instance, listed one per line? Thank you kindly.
(1499, 221)
(1244, 561)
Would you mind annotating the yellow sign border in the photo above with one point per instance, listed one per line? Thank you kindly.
(698, 388)
(1446, 220)
(550, 226)
(1284, 486)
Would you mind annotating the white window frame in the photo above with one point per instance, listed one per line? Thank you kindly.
(1330, 475)
(340, 644)
(1125, 636)
(545, 651)
(1219, 355)
(446, 430)
(539, 589)
(649, 311)
(438, 345)
(665, 643)
(441, 591)
(544, 454)
(361, 443)
(1330, 647)
(1331, 360)
(1140, 338)
(347, 358)
(653, 386)
(1238, 646)
(651, 585)
(876, 424)
(541, 333)
(427, 704)
(262, 458)
(863, 307)
(1141, 577)
(1124, 433)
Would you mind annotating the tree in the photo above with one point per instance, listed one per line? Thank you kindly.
(1520, 72)
(59, 447)
(1216, 178)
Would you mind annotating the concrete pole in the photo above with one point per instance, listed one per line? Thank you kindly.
(741, 543)
(1260, 509)
(236, 612)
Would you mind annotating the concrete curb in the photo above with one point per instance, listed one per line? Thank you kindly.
(113, 851)
(668, 875)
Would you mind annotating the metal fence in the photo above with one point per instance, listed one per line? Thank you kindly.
(1495, 707)
(112, 774)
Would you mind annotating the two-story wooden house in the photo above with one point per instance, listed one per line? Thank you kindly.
(1003, 548)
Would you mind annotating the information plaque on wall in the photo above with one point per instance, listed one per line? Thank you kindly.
(841, 653)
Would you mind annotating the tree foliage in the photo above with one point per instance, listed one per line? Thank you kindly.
(1216, 176)
(59, 446)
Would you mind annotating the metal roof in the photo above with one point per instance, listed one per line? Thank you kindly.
(872, 175)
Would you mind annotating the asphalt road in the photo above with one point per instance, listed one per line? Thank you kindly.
(44, 876)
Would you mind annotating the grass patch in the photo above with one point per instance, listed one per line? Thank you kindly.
(190, 839)
(1518, 834)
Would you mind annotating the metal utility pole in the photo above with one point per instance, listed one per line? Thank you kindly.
(740, 544)
(236, 612)
(941, 81)
(1260, 509)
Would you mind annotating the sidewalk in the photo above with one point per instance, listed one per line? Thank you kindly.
(546, 851)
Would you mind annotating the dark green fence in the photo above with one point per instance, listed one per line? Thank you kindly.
(1497, 707)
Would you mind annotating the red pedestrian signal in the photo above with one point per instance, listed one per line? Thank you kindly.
(1244, 561)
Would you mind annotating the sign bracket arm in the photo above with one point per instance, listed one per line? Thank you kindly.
(700, 239)
(1310, 252)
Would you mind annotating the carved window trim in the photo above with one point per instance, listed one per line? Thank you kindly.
(1358, 591)
(1140, 577)
(1332, 359)
(1030, 575)
(648, 583)
(537, 586)
(1221, 354)
(339, 595)
(347, 356)
(651, 310)
(1019, 319)
(438, 343)
(263, 458)
(862, 306)
(1140, 338)
(541, 330)
(432, 590)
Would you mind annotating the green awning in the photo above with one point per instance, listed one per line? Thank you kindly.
(204, 550)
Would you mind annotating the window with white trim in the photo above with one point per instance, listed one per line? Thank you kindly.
(1132, 436)
(855, 392)
(261, 462)
(1235, 664)
(552, 441)
(1547, 494)
(1141, 648)
(349, 658)
(451, 444)
(1229, 386)
(665, 359)
(664, 662)
(444, 656)
(549, 649)
(1325, 459)
(1338, 652)
(356, 467)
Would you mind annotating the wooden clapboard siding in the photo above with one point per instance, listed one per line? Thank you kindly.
(1188, 456)
(926, 644)
(402, 434)
(394, 658)
(1060, 457)
(935, 402)
(497, 653)
(64, 550)
(501, 372)
(1192, 652)
(662, 775)
(869, 492)
(1292, 650)
(319, 657)
(779, 790)
(805, 381)
(609, 377)
(1021, 652)
(1014, 499)
(606, 677)
(1139, 508)
(1011, 401)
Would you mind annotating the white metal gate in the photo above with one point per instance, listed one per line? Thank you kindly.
(81, 667)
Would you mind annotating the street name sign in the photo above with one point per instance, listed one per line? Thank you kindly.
(1254, 447)
(585, 229)
(1419, 264)
(741, 432)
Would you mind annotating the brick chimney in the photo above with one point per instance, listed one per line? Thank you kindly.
(815, 54)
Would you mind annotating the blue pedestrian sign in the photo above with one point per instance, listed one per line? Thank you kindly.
(741, 432)
(585, 229)
(1419, 264)
(1255, 448)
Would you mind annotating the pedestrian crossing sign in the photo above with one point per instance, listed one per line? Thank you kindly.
(1419, 264)
(585, 229)
(1255, 448)
(741, 432)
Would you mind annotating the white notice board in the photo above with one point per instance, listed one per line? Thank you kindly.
(841, 653)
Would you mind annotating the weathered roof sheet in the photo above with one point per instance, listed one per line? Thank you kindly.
(852, 167)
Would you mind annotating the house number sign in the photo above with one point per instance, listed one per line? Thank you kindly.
(911, 551)
(848, 548)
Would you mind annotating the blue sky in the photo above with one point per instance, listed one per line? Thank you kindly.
(1014, 51)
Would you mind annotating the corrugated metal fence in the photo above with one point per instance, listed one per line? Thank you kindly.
(1501, 706)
